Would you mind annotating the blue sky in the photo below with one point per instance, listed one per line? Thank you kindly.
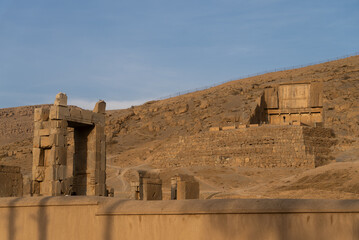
(128, 52)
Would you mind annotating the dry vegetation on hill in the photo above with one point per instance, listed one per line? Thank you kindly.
(136, 134)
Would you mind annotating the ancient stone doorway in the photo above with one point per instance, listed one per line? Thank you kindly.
(69, 154)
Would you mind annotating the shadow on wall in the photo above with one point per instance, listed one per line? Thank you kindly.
(109, 221)
(12, 216)
(259, 115)
(41, 218)
(281, 226)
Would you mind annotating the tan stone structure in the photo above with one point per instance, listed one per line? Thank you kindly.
(135, 190)
(50, 150)
(292, 103)
(10, 181)
(150, 186)
(184, 187)
(94, 218)
(264, 146)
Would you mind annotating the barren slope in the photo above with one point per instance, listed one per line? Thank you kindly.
(135, 133)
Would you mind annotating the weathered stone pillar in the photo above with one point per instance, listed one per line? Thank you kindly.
(135, 190)
(184, 187)
(150, 186)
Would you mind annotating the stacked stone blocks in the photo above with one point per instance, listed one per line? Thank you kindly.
(50, 150)
(262, 146)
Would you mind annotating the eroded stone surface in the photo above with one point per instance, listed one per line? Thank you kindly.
(49, 170)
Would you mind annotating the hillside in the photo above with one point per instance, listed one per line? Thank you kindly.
(137, 134)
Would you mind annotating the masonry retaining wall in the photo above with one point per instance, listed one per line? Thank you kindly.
(259, 146)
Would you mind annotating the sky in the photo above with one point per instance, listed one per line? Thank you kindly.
(130, 52)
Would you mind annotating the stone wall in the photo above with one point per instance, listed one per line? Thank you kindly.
(63, 218)
(257, 146)
(10, 181)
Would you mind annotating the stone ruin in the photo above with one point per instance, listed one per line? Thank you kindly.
(286, 129)
(11, 181)
(291, 104)
(149, 187)
(49, 171)
(184, 187)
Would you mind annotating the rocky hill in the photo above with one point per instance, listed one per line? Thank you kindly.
(137, 134)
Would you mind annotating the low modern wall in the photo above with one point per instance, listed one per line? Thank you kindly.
(110, 218)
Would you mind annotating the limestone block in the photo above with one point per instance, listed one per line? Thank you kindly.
(228, 128)
(61, 99)
(75, 113)
(100, 107)
(46, 124)
(43, 132)
(59, 112)
(39, 174)
(214, 129)
(45, 142)
(60, 131)
(37, 157)
(56, 188)
(58, 140)
(36, 132)
(87, 115)
(99, 132)
(60, 155)
(37, 125)
(253, 125)
(41, 114)
(99, 118)
(59, 124)
(49, 173)
(37, 114)
(46, 188)
(241, 126)
(36, 142)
